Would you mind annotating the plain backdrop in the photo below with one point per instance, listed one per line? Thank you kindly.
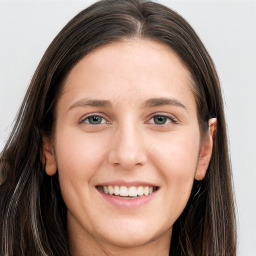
(228, 30)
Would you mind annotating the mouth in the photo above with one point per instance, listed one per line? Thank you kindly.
(126, 192)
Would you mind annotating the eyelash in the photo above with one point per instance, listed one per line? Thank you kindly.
(171, 118)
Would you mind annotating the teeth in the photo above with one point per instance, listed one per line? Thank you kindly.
(133, 191)
(116, 191)
(110, 190)
(105, 188)
(124, 191)
(146, 191)
(140, 191)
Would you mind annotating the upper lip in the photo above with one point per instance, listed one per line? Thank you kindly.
(126, 183)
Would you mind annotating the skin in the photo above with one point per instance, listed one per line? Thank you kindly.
(128, 145)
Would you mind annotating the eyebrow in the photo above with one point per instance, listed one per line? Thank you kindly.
(155, 102)
(92, 103)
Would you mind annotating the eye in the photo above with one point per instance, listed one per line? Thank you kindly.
(94, 120)
(162, 120)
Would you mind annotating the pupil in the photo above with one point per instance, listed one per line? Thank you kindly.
(160, 119)
(95, 120)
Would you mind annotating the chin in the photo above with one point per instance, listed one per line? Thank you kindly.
(134, 236)
(126, 240)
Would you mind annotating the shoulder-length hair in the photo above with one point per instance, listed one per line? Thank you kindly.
(32, 212)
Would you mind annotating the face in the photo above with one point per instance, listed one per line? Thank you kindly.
(127, 144)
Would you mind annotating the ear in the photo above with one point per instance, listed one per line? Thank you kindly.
(206, 150)
(48, 156)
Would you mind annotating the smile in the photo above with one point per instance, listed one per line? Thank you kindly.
(127, 192)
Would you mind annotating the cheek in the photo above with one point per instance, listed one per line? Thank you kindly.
(177, 161)
(78, 159)
(77, 154)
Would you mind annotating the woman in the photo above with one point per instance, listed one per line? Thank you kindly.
(120, 145)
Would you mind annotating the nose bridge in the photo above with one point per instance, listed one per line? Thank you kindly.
(128, 148)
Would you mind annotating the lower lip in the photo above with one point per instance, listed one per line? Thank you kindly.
(128, 202)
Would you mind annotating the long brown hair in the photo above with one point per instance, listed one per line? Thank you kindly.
(32, 212)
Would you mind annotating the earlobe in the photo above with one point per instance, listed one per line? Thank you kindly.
(206, 150)
(48, 156)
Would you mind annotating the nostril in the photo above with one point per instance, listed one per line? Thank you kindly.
(127, 159)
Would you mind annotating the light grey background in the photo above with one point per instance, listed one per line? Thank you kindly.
(228, 30)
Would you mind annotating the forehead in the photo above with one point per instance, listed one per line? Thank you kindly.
(144, 68)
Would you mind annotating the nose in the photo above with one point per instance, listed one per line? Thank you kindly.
(127, 148)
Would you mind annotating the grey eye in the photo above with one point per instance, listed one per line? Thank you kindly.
(94, 119)
(160, 120)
